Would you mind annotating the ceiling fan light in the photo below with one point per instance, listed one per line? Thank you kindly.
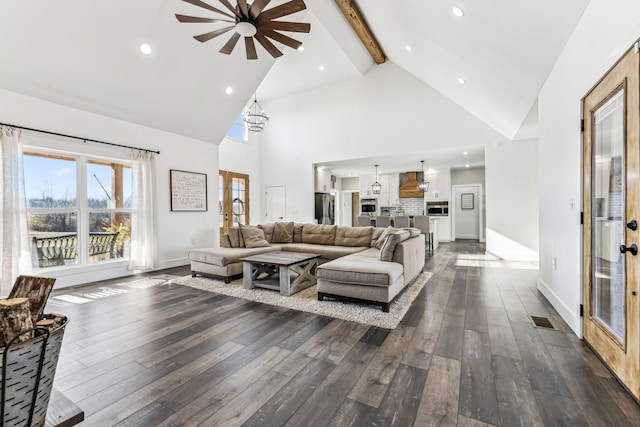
(246, 29)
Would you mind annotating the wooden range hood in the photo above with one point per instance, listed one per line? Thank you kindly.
(410, 188)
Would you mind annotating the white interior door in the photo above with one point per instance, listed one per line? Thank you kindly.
(275, 203)
(466, 214)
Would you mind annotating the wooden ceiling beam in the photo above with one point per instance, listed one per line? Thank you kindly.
(355, 18)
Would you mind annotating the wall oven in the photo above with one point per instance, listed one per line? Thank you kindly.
(440, 208)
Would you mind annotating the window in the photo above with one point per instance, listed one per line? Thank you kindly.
(238, 129)
(78, 208)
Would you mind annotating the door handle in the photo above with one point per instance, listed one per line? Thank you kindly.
(632, 225)
(633, 249)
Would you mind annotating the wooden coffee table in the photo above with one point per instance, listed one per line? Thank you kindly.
(287, 272)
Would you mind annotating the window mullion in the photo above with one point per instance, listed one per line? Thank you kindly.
(83, 211)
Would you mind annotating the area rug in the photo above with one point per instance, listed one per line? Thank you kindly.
(307, 300)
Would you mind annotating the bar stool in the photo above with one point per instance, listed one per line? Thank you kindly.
(401, 221)
(421, 222)
(383, 221)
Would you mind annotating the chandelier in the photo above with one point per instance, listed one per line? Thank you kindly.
(376, 187)
(255, 117)
(422, 184)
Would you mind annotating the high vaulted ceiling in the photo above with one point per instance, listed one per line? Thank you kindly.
(86, 55)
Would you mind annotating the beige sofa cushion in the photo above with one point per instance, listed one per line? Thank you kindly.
(297, 232)
(226, 256)
(283, 232)
(389, 246)
(268, 231)
(225, 242)
(353, 236)
(253, 236)
(362, 268)
(235, 237)
(326, 252)
(319, 234)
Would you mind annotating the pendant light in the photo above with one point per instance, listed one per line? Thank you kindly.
(376, 187)
(254, 116)
(422, 184)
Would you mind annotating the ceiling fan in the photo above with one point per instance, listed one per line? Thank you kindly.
(251, 21)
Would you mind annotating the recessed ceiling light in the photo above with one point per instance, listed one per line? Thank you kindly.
(467, 165)
(465, 152)
(145, 48)
(457, 11)
(301, 48)
(321, 68)
(407, 48)
(461, 80)
(430, 170)
(228, 90)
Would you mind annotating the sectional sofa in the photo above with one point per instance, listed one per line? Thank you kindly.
(366, 264)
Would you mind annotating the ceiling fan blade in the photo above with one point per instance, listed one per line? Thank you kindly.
(230, 7)
(185, 18)
(284, 9)
(250, 47)
(244, 8)
(257, 7)
(208, 36)
(285, 40)
(208, 7)
(297, 27)
(270, 47)
(230, 44)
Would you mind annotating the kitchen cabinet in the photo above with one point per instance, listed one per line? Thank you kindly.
(366, 181)
(444, 228)
(439, 185)
(394, 184)
(323, 180)
(389, 193)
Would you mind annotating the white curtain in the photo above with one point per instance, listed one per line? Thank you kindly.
(144, 246)
(14, 237)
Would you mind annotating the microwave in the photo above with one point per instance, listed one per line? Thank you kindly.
(368, 206)
(437, 208)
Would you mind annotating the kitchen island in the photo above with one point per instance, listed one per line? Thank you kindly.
(433, 227)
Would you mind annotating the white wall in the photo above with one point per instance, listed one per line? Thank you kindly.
(607, 29)
(176, 230)
(351, 184)
(368, 116)
(511, 173)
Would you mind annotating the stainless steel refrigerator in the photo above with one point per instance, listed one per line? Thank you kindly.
(325, 208)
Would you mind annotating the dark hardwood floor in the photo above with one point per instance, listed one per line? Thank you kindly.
(466, 354)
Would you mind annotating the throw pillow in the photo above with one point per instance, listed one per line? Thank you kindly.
(390, 243)
(235, 238)
(283, 232)
(253, 236)
(377, 231)
(383, 237)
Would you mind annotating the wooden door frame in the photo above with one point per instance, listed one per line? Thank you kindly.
(227, 216)
(622, 366)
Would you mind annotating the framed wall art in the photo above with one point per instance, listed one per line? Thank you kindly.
(188, 191)
(466, 201)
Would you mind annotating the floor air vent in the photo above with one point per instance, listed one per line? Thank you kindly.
(542, 322)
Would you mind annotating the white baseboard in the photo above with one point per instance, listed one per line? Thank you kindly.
(468, 236)
(572, 318)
